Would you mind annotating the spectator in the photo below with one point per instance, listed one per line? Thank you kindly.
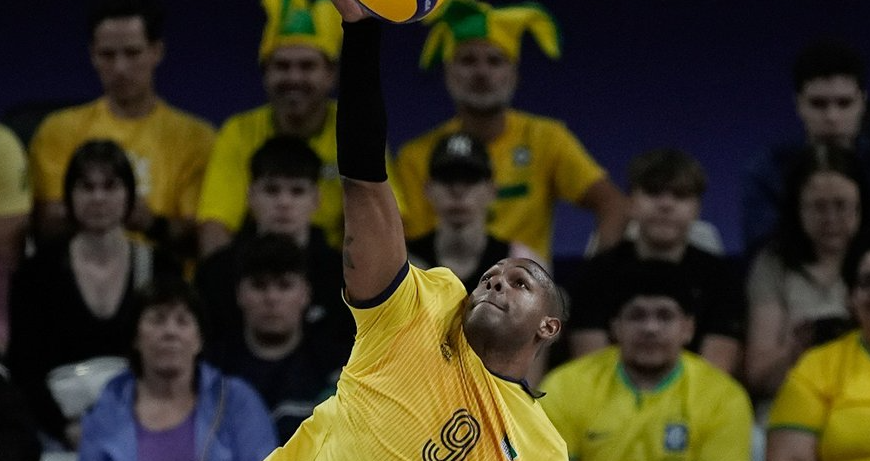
(666, 190)
(18, 435)
(460, 190)
(69, 301)
(298, 54)
(797, 296)
(167, 147)
(821, 411)
(283, 196)
(284, 351)
(535, 160)
(15, 203)
(646, 398)
(170, 405)
(830, 99)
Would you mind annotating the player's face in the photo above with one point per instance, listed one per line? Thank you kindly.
(831, 109)
(860, 296)
(664, 217)
(460, 204)
(829, 211)
(168, 339)
(273, 306)
(124, 58)
(283, 205)
(480, 77)
(508, 308)
(651, 331)
(99, 200)
(298, 80)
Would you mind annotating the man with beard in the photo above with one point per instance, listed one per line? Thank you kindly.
(665, 199)
(168, 148)
(535, 160)
(646, 398)
(435, 373)
(301, 42)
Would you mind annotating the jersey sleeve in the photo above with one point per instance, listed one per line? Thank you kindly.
(224, 197)
(575, 170)
(199, 147)
(411, 176)
(46, 147)
(729, 428)
(14, 183)
(801, 403)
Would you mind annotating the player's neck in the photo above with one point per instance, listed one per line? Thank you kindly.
(134, 107)
(486, 126)
(304, 126)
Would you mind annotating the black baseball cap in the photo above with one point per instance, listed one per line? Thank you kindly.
(460, 157)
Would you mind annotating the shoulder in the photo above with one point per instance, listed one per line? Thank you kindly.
(185, 121)
(10, 145)
(583, 373)
(70, 115)
(711, 382)
(426, 141)
(827, 358)
(248, 119)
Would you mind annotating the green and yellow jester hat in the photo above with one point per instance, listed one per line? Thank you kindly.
(314, 23)
(463, 20)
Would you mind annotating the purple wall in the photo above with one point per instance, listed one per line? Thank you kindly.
(711, 77)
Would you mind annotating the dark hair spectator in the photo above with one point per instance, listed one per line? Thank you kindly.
(151, 12)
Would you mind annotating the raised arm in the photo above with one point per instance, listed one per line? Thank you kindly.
(374, 244)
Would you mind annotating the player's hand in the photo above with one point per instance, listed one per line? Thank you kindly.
(350, 10)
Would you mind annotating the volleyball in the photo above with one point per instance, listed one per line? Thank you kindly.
(400, 11)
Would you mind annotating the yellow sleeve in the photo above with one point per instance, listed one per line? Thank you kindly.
(14, 183)
(729, 428)
(49, 154)
(224, 197)
(575, 171)
(801, 403)
(200, 143)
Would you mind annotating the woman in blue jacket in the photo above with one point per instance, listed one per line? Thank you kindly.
(171, 406)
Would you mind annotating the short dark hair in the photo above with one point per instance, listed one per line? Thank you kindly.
(164, 290)
(651, 278)
(792, 243)
(151, 12)
(669, 169)
(285, 156)
(827, 58)
(271, 255)
(103, 154)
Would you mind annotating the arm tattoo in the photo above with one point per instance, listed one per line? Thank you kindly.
(348, 262)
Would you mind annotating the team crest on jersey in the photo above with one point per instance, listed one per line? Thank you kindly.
(522, 156)
(509, 453)
(676, 437)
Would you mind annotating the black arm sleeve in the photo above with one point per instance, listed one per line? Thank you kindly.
(361, 125)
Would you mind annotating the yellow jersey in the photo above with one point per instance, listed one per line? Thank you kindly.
(168, 150)
(696, 413)
(414, 389)
(14, 184)
(536, 161)
(828, 394)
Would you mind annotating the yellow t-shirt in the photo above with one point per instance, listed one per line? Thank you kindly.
(168, 150)
(14, 184)
(535, 162)
(696, 413)
(414, 389)
(828, 394)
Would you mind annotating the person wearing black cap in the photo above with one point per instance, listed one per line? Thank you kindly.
(646, 397)
(461, 190)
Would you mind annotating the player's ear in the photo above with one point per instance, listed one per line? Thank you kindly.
(549, 328)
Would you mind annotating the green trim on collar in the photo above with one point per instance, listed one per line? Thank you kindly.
(672, 376)
(793, 427)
